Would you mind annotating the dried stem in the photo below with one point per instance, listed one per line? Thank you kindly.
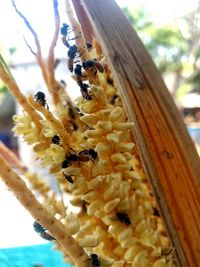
(40, 214)
(80, 41)
(37, 43)
(53, 84)
(11, 157)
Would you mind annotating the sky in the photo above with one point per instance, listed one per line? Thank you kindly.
(40, 13)
(15, 224)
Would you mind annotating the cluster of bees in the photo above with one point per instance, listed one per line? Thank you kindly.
(74, 52)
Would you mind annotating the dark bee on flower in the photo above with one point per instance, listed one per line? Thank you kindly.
(65, 30)
(72, 54)
(156, 212)
(84, 91)
(47, 236)
(56, 140)
(89, 46)
(71, 157)
(94, 260)
(82, 156)
(123, 218)
(42, 231)
(87, 154)
(68, 178)
(38, 227)
(78, 70)
(110, 81)
(93, 64)
(113, 99)
(41, 99)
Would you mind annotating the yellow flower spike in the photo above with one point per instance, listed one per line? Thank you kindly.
(118, 157)
(103, 148)
(106, 261)
(94, 133)
(124, 136)
(141, 227)
(40, 147)
(119, 252)
(125, 234)
(81, 190)
(127, 155)
(124, 147)
(131, 253)
(133, 202)
(118, 264)
(112, 138)
(160, 263)
(90, 196)
(71, 170)
(89, 241)
(115, 229)
(156, 252)
(111, 205)
(141, 260)
(108, 219)
(116, 113)
(123, 167)
(124, 126)
(98, 168)
(104, 125)
(92, 184)
(89, 119)
(94, 206)
(124, 205)
(72, 224)
(129, 242)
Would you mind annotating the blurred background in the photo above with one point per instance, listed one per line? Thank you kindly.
(170, 30)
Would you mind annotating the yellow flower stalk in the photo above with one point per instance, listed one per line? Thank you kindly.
(88, 148)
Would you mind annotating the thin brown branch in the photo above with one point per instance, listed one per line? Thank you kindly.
(14, 182)
(29, 47)
(37, 43)
(53, 84)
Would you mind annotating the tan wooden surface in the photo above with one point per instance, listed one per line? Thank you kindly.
(167, 151)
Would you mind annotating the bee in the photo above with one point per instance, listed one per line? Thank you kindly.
(41, 99)
(123, 218)
(113, 99)
(72, 53)
(93, 64)
(82, 156)
(84, 205)
(83, 88)
(156, 212)
(88, 154)
(56, 140)
(68, 178)
(42, 231)
(38, 227)
(94, 260)
(110, 81)
(89, 46)
(84, 91)
(65, 31)
(47, 236)
(69, 159)
(78, 71)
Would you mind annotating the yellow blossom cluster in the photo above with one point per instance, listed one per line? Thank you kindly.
(88, 148)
